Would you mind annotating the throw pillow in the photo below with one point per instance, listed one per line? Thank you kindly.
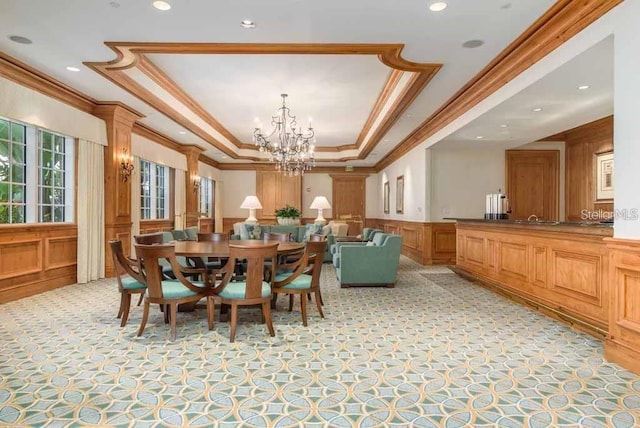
(326, 231)
(312, 229)
(250, 231)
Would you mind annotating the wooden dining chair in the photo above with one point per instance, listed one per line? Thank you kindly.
(214, 265)
(303, 278)
(149, 238)
(169, 293)
(130, 279)
(274, 236)
(253, 290)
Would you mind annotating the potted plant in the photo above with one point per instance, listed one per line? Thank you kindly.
(288, 215)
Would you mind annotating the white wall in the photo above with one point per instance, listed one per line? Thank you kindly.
(626, 126)
(412, 167)
(461, 178)
(26, 105)
(237, 185)
(373, 191)
(316, 185)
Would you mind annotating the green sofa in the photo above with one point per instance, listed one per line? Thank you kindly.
(368, 263)
(296, 232)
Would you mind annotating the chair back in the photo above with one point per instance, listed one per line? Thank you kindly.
(149, 238)
(274, 236)
(213, 237)
(123, 264)
(255, 256)
(317, 237)
(314, 250)
(150, 257)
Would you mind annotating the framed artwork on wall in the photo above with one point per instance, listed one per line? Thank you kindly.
(386, 197)
(604, 176)
(400, 194)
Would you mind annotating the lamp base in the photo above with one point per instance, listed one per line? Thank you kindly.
(252, 216)
(320, 219)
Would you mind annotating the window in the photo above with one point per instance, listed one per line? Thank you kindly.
(36, 175)
(154, 191)
(206, 196)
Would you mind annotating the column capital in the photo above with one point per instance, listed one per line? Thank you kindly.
(117, 112)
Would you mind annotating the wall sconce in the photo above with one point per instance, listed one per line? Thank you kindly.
(196, 183)
(126, 165)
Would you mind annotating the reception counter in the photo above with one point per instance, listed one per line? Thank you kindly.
(558, 267)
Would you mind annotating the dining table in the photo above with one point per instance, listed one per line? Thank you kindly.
(221, 249)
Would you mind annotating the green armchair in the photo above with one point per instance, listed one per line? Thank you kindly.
(370, 263)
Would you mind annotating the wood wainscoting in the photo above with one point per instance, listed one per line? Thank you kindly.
(563, 269)
(153, 226)
(36, 258)
(424, 243)
(623, 343)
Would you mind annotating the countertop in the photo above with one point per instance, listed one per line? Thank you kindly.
(538, 223)
(582, 228)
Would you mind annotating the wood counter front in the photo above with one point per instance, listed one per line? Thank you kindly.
(562, 266)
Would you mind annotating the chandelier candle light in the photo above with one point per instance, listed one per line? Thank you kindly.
(288, 147)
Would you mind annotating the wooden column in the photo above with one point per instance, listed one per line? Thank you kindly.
(192, 153)
(117, 192)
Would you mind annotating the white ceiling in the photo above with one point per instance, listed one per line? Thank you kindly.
(563, 105)
(337, 92)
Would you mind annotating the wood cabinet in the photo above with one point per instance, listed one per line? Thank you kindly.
(564, 268)
(275, 190)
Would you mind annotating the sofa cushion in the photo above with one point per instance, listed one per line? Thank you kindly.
(191, 233)
(311, 229)
(250, 231)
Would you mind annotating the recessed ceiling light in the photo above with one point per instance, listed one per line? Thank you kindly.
(479, 137)
(503, 125)
(537, 109)
(74, 69)
(225, 157)
(247, 23)
(409, 115)
(182, 132)
(583, 87)
(161, 5)
(470, 44)
(20, 39)
(437, 6)
(386, 139)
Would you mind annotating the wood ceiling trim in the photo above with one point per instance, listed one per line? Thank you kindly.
(561, 22)
(146, 66)
(314, 170)
(22, 74)
(132, 54)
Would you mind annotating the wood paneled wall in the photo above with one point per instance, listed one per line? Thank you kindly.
(275, 190)
(582, 145)
(623, 343)
(36, 258)
(564, 268)
(424, 243)
(153, 226)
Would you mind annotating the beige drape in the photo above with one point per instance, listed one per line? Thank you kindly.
(91, 244)
(180, 208)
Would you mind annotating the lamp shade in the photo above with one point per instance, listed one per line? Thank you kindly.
(251, 202)
(320, 203)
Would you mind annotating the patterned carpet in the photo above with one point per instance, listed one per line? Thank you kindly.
(434, 351)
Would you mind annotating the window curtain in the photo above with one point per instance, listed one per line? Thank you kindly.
(135, 204)
(180, 200)
(91, 240)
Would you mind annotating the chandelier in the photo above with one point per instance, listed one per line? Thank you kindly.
(288, 147)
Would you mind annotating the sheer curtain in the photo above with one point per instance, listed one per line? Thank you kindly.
(91, 244)
(180, 199)
(135, 204)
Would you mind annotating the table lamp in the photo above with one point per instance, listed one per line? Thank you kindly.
(252, 204)
(320, 203)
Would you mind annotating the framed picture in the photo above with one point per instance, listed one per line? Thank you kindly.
(386, 197)
(400, 194)
(604, 176)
